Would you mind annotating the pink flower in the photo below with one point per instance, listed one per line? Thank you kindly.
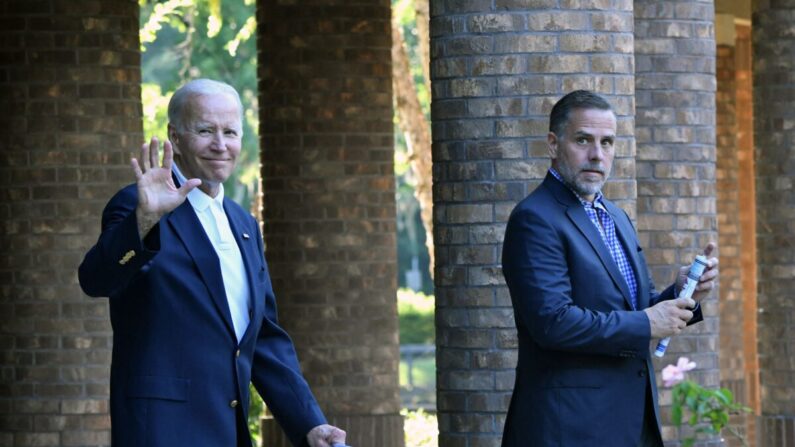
(673, 374)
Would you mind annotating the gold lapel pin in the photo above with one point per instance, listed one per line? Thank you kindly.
(127, 256)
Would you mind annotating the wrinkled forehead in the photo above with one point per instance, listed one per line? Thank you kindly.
(215, 108)
(595, 122)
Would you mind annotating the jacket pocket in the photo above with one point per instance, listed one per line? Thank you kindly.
(158, 387)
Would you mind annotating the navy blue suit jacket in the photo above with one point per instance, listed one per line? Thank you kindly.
(584, 361)
(177, 365)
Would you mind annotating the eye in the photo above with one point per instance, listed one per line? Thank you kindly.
(205, 132)
(582, 140)
(230, 133)
(607, 142)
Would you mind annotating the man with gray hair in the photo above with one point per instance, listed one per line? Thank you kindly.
(191, 302)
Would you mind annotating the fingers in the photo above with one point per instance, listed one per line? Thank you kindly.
(337, 436)
(145, 158)
(188, 186)
(168, 155)
(136, 169)
(685, 303)
(709, 249)
(154, 152)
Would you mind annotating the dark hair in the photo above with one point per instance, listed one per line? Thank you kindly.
(578, 99)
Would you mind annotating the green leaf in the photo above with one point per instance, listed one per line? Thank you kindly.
(676, 415)
(214, 21)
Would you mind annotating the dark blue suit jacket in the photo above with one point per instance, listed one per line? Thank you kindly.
(177, 365)
(584, 361)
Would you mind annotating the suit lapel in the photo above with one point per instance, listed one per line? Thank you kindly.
(591, 233)
(187, 227)
(626, 236)
(577, 215)
(248, 250)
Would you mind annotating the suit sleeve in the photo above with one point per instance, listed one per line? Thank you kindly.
(277, 376)
(119, 253)
(536, 267)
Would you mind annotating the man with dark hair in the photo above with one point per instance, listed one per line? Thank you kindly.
(584, 303)
(191, 303)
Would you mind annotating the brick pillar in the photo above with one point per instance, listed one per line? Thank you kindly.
(732, 297)
(675, 131)
(70, 95)
(330, 225)
(497, 68)
(747, 198)
(774, 132)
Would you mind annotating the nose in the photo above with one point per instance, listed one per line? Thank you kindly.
(596, 152)
(218, 142)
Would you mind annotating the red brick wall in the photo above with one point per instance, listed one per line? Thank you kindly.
(69, 92)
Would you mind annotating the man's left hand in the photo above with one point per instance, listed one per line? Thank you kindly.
(707, 280)
(325, 436)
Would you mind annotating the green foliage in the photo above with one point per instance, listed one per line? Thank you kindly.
(416, 315)
(420, 428)
(700, 405)
(423, 373)
(256, 408)
(155, 108)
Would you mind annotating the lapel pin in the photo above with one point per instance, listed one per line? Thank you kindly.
(245, 236)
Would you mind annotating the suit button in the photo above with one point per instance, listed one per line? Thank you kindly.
(233, 404)
(237, 353)
(641, 373)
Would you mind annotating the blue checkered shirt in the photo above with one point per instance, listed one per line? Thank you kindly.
(603, 222)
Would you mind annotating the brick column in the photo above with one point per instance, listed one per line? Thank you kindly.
(70, 95)
(732, 296)
(675, 131)
(746, 185)
(497, 68)
(330, 225)
(774, 132)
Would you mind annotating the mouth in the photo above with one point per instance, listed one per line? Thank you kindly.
(593, 172)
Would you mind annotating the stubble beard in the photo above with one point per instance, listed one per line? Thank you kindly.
(582, 188)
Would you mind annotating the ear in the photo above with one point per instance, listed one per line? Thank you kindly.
(173, 138)
(552, 145)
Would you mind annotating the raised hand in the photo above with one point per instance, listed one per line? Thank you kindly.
(707, 280)
(157, 193)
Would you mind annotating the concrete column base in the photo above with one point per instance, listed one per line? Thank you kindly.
(383, 430)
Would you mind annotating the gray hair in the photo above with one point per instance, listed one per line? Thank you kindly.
(198, 87)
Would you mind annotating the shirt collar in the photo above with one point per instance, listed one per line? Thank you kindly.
(597, 202)
(197, 198)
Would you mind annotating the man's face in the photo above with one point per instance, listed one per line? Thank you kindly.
(583, 156)
(207, 144)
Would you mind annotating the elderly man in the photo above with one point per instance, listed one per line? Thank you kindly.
(191, 303)
(584, 303)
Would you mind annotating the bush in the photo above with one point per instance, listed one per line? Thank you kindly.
(420, 428)
(415, 313)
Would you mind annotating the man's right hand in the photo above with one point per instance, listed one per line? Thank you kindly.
(157, 193)
(669, 317)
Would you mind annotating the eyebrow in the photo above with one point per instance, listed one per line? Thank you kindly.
(581, 133)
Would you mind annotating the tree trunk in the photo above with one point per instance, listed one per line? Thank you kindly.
(415, 127)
